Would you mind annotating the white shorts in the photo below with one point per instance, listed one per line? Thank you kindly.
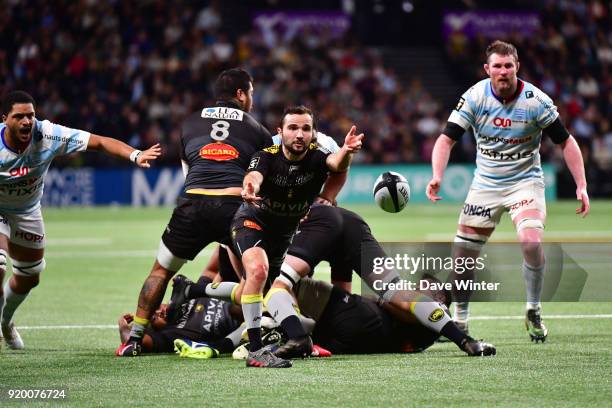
(484, 208)
(27, 230)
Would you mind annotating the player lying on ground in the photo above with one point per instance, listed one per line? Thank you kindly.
(345, 324)
(342, 238)
(27, 148)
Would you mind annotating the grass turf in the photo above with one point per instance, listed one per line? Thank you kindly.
(97, 260)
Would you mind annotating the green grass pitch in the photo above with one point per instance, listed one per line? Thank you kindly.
(97, 259)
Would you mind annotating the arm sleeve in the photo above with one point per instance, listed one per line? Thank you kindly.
(62, 139)
(546, 111)
(557, 132)
(453, 130)
(259, 162)
(464, 114)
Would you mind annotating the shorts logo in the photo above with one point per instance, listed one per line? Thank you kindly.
(252, 225)
(219, 152)
(436, 315)
(479, 210)
(520, 204)
(29, 236)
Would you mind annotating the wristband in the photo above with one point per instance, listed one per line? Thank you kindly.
(134, 155)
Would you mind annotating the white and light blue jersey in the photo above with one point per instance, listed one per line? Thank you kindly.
(508, 135)
(22, 175)
(327, 142)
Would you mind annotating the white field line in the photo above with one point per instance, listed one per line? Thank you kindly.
(548, 235)
(114, 326)
(78, 241)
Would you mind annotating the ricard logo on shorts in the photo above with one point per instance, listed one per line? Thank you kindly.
(478, 210)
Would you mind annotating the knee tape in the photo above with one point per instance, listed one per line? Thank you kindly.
(288, 275)
(473, 242)
(28, 268)
(167, 258)
(529, 223)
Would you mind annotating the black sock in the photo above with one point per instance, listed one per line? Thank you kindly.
(255, 339)
(224, 345)
(453, 333)
(292, 326)
(198, 290)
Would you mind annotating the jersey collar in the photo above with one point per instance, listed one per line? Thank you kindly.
(228, 104)
(519, 88)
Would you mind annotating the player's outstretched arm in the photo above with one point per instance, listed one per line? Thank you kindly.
(117, 148)
(573, 159)
(439, 161)
(332, 188)
(340, 161)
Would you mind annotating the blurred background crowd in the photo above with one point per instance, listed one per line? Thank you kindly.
(133, 69)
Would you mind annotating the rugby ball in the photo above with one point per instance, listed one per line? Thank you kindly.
(391, 192)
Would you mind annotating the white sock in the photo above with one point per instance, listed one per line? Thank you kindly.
(461, 311)
(12, 301)
(534, 278)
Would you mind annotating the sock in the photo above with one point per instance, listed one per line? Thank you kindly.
(12, 301)
(198, 290)
(282, 309)
(534, 278)
(307, 323)
(138, 327)
(252, 306)
(222, 290)
(235, 337)
(1, 304)
(225, 345)
(461, 311)
(431, 315)
(453, 333)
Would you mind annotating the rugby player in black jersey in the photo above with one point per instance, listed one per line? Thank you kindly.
(216, 146)
(279, 188)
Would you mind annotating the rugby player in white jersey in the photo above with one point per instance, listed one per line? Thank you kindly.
(27, 147)
(507, 116)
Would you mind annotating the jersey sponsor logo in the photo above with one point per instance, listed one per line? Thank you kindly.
(222, 113)
(254, 162)
(64, 139)
(502, 122)
(19, 172)
(528, 95)
(252, 225)
(478, 210)
(502, 156)
(219, 152)
(520, 204)
(436, 315)
(286, 209)
(547, 106)
(22, 188)
(507, 140)
(460, 104)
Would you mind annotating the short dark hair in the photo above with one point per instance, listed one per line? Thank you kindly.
(501, 48)
(15, 97)
(230, 81)
(297, 110)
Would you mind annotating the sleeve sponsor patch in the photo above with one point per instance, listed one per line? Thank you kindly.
(460, 103)
(253, 164)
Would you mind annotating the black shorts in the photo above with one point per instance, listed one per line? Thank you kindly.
(197, 221)
(318, 237)
(248, 233)
(352, 324)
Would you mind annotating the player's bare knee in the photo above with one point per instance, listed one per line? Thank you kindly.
(257, 272)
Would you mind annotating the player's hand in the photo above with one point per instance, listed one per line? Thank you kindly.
(432, 190)
(581, 195)
(249, 194)
(128, 317)
(353, 141)
(324, 201)
(151, 153)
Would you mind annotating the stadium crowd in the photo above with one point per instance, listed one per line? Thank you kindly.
(134, 70)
